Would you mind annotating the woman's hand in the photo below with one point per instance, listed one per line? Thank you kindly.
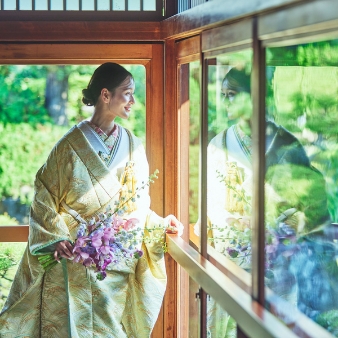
(63, 249)
(174, 225)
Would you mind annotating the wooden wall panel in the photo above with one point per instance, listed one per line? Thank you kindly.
(81, 31)
(37, 53)
(189, 48)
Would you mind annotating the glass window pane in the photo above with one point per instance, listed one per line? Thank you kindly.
(301, 190)
(149, 5)
(25, 5)
(194, 310)
(119, 5)
(219, 323)
(134, 5)
(32, 133)
(72, 5)
(189, 115)
(56, 5)
(229, 156)
(88, 5)
(190, 120)
(9, 5)
(103, 5)
(41, 5)
(229, 169)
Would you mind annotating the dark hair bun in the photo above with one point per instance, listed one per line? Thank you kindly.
(87, 98)
(109, 75)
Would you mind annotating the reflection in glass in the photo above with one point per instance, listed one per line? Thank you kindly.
(301, 190)
(229, 156)
(229, 173)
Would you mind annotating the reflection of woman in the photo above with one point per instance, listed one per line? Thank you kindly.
(87, 172)
(229, 169)
(295, 198)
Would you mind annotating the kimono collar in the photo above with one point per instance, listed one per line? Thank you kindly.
(108, 181)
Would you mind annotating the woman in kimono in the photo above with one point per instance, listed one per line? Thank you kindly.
(95, 165)
(296, 209)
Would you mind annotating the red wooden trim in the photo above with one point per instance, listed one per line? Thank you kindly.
(87, 31)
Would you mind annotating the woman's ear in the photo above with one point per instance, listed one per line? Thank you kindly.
(105, 95)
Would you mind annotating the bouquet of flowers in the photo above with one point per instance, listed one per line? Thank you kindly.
(106, 241)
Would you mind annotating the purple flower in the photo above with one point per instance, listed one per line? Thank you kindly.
(105, 249)
(233, 253)
(138, 254)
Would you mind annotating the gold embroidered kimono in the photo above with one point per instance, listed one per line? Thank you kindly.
(67, 301)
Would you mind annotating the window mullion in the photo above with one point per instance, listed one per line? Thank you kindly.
(258, 166)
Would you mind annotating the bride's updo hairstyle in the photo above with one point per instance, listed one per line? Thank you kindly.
(109, 75)
(237, 80)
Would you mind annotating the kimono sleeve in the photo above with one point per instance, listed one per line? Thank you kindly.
(47, 227)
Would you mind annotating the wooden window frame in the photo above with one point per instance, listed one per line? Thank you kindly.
(151, 55)
(295, 22)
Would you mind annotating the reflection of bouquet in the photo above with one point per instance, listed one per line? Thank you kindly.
(107, 241)
(281, 243)
(280, 235)
(237, 236)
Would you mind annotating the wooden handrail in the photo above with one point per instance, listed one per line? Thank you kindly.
(252, 318)
(14, 233)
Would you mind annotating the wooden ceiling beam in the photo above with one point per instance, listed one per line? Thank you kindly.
(79, 31)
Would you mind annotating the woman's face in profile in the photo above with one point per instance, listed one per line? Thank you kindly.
(238, 104)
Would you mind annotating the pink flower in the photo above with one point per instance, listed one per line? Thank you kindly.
(130, 223)
(117, 223)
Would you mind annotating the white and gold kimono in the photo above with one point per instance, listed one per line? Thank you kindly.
(66, 301)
